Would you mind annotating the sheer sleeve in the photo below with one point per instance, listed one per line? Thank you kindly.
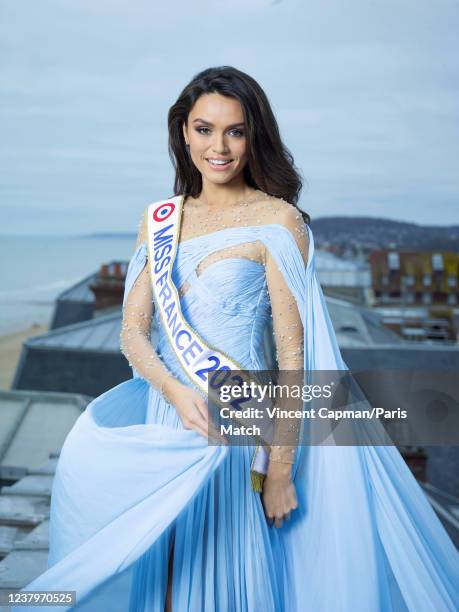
(136, 326)
(288, 339)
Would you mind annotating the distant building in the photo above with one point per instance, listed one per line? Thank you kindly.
(415, 277)
(434, 324)
(334, 271)
(418, 292)
(343, 277)
(99, 291)
(108, 285)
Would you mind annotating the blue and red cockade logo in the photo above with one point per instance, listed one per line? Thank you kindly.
(164, 211)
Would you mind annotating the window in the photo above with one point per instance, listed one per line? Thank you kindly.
(393, 261)
(426, 298)
(437, 262)
(408, 280)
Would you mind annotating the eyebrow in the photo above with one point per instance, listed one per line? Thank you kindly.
(209, 123)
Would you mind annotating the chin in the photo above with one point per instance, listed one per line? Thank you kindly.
(220, 180)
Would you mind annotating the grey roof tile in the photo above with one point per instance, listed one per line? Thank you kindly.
(21, 566)
(8, 535)
(99, 334)
(37, 539)
(31, 485)
(23, 511)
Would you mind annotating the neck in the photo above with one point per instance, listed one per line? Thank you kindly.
(223, 196)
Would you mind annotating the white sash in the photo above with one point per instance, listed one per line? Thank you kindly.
(197, 358)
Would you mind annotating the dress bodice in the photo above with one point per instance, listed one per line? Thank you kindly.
(227, 303)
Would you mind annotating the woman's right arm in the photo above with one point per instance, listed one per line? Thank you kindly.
(135, 331)
(137, 348)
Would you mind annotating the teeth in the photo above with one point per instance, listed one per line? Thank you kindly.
(218, 162)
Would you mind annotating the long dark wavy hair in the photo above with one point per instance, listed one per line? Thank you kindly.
(269, 166)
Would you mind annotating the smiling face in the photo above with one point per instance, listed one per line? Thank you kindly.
(217, 137)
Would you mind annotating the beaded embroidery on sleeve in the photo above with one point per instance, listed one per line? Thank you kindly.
(289, 340)
(136, 327)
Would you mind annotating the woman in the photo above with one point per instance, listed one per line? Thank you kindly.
(146, 515)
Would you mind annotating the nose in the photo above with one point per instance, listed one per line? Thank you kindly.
(219, 145)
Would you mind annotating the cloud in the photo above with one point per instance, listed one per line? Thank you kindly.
(366, 98)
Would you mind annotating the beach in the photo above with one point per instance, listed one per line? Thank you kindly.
(28, 292)
(10, 350)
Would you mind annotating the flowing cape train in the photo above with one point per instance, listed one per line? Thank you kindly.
(363, 539)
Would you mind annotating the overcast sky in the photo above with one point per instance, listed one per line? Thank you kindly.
(365, 93)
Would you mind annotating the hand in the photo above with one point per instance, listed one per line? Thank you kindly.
(192, 409)
(279, 495)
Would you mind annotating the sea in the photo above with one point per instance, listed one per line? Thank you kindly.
(34, 270)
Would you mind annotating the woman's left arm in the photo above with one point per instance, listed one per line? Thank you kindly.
(279, 496)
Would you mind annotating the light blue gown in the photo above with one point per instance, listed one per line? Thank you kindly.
(131, 479)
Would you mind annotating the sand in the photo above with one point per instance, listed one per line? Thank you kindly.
(10, 350)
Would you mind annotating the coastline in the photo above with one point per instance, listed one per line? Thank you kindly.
(10, 351)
